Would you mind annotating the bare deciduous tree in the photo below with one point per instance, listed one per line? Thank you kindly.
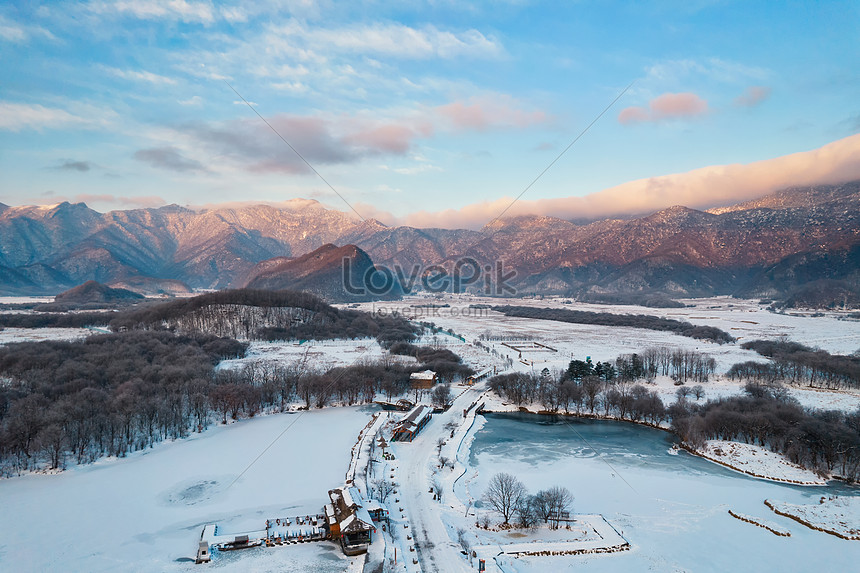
(382, 488)
(504, 494)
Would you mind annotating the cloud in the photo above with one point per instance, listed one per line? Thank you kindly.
(193, 100)
(395, 40)
(483, 113)
(666, 106)
(18, 116)
(140, 76)
(414, 170)
(183, 10)
(703, 188)
(18, 33)
(752, 96)
(168, 158)
(82, 166)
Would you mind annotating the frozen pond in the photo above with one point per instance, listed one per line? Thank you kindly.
(672, 508)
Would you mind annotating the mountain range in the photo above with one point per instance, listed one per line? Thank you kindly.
(770, 247)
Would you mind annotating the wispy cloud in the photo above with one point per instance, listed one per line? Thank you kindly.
(182, 10)
(81, 166)
(666, 106)
(168, 158)
(18, 33)
(752, 96)
(140, 76)
(193, 100)
(483, 113)
(18, 116)
(394, 40)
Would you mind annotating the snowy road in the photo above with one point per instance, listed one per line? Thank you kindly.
(437, 552)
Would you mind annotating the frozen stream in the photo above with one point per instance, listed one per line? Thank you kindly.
(674, 511)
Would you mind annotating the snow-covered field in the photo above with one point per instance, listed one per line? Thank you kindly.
(25, 299)
(315, 355)
(146, 512)
(10, 335)
(835, 514)
(744, 319)
(720, 387)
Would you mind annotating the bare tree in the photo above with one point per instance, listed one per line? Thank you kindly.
(437, 488)
(463, 540)
(382, 489)
(504, 494)
(542, 505)
(698, 391)
(560, 499)
(526, 516)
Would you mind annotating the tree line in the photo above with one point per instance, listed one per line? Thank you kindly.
(799, 364)
(609, 319)
(825, 440)
(589, 395)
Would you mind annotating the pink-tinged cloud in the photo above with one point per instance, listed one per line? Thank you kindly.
(752, 96)
(666, 106)
(481, 114)
(713, 186)
(388, 138)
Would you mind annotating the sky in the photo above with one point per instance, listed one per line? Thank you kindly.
(436, 113)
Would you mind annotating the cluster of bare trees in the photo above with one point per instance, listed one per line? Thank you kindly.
(610, 319)
(590, 395)
(508, 496)
(108, 395)
(794, 362)
(681, 365)
(767, 416)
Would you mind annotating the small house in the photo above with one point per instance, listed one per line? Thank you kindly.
(412, 423)
(349, 521)
(482, 375)
(423, 380)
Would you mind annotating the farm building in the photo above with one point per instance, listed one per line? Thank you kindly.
(482, 375)
(422, 380)
(349, 521)
(409, 426)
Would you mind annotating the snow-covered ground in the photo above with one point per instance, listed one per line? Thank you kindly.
(835, 514)
(758, 462)
(315, 355)
(146, 512)
(10, 335)
(25, 299)
(744, 319)
(721, 387)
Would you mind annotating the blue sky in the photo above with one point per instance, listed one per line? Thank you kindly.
(430, 113)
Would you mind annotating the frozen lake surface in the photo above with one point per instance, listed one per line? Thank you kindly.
(672, 508)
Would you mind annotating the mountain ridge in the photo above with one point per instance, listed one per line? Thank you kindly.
(48, 249)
